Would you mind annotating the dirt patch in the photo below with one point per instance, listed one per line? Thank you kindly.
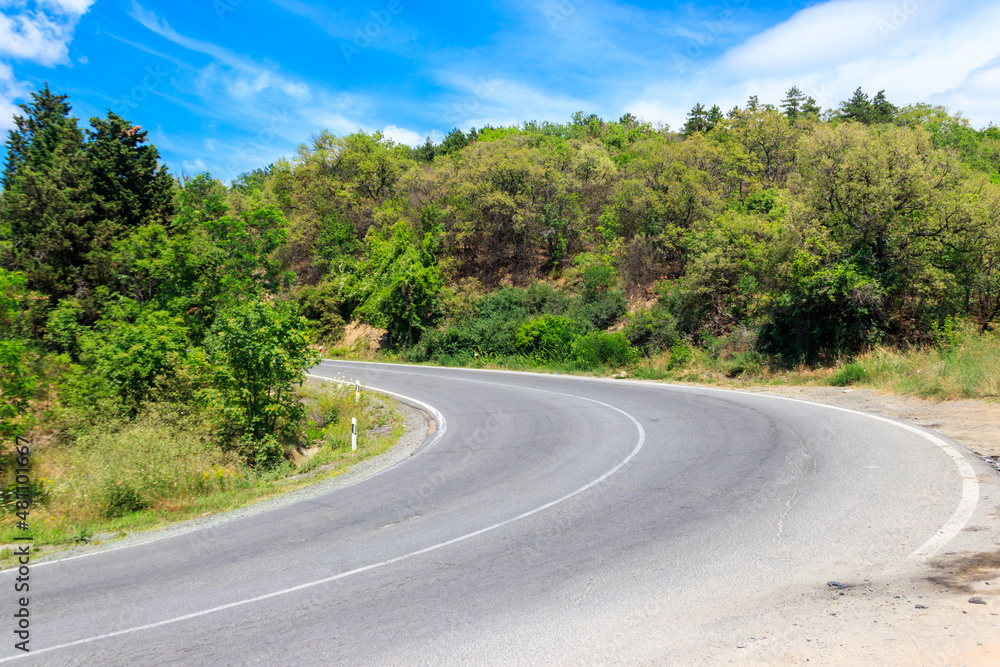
(977, 574)
(360, 337)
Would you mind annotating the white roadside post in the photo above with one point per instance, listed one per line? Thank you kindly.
(354, 433)
(357, 391)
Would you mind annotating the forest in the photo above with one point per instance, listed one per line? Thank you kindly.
(783, 234)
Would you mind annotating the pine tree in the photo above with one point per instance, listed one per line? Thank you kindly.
(793, 102)
(882, 111)
(858, 108)
(868, 111)
(47, 202)
(714, 116)
(697, 121)
(132, 187)
(810, 107)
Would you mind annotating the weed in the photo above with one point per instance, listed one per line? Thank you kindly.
(850, 374)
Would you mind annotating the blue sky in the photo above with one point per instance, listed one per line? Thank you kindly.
(229, 85)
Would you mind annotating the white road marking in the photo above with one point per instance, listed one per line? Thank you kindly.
(638, 446)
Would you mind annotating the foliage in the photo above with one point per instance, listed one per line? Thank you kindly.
(833, 310)
(18, 381)
(260, 352)
(848, 375)
(132, 356)
(401, 284)
(680, 355)
(599, 348)
(546, 338)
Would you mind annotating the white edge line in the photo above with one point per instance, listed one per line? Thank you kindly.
(442, 427)
(239, 603)
(970, 482)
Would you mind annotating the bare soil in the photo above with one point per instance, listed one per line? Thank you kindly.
(363, 338)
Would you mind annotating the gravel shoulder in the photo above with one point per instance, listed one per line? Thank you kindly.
(918, 615)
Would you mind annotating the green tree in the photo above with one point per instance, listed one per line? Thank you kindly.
(131, 357)
(46, 208)
(874, 111)
(18, 381)
(697, 121)
(400, 288)
(260, 353)
(793, 102)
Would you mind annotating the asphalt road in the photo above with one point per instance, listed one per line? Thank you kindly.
(552, 520)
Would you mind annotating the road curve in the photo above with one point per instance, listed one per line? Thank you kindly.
(556, 519)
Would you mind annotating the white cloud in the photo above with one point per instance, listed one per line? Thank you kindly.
(77, 7)
(917, 50)
(194, 166)
(38, 32)
(481, 100)
(241, 77)
(299, 90)
(403, 136)
(10, 90)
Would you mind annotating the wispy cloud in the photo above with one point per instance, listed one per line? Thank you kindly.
(382, 28)
(256, 98)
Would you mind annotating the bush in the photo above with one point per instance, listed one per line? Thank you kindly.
(681, 355)
(849, 374)
(652, 330)
(260, 354)
(597, 279)
(599, 348)
(546, 338)
(131, 356)
(832, 310)
(602, 309)
(121, 499)
(325, 308)
(748, 362)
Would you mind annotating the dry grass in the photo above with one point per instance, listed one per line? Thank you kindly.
(166, 466)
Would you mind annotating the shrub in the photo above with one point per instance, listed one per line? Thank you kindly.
(849, 374)
(325, 308)
(652, 330)
(546, 338)
(748, 362)
(130, 356)
(832, 310)
(121, 499)
(602, 309)
(597, 279)
(260, 354)
(599, 348)
(681, 355)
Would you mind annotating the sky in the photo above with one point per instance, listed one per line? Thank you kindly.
(227, 86)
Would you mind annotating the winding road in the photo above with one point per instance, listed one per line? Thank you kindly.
(550, 519)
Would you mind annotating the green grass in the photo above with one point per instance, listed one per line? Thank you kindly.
(163, 468)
